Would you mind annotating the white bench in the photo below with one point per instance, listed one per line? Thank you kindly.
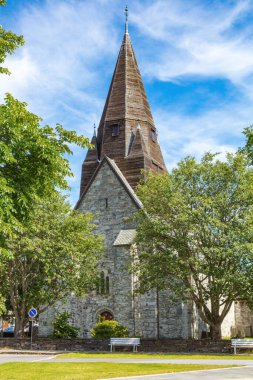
(241, 343)
(135, 342)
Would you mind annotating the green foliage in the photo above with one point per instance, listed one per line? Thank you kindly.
(195, 234)
(109, 329)
(62, 328)
(56, 252)
(9, 42)
(248, 132)
(32, 160)
(2, 305)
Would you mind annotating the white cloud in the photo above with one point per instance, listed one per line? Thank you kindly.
(198, 39)
(65, 41)
(216, 131)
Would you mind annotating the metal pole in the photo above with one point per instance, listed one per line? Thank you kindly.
(32, 334)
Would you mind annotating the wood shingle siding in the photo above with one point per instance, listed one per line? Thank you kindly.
(132, 148)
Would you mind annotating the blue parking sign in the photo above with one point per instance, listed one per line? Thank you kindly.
(32, 312)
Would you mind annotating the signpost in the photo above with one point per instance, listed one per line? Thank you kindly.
(32, 313)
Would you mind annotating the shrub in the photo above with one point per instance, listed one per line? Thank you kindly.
(109, 329)
(62, 328)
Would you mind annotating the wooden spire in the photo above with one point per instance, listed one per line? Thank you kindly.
(127, 132)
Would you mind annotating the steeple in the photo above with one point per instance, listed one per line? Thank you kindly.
(126, 23)
(127, 122)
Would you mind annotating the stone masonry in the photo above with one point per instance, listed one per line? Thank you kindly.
(113, 208)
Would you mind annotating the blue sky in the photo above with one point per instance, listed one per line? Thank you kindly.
(195, 56)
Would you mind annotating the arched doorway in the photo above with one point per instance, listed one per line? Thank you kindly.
(106, 315)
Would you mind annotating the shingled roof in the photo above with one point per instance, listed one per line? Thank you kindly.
(126, 132)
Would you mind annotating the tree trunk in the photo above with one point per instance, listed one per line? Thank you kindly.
(215, 331)
(19, 325)
(18, 328)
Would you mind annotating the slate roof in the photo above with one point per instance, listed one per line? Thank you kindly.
(125, 237)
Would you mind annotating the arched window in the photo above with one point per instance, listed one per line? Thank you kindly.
(103, 285)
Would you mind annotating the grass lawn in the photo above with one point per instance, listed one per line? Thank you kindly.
(119, 355)
(89, 371)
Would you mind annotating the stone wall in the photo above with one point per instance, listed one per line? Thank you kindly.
(112, 205)
(243, 320)
(92, 345)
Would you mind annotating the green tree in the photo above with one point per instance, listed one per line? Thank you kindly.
(195, 234)
(62, 327)
(55, 253)
(248, 149)
(9, 42)
(32, 161)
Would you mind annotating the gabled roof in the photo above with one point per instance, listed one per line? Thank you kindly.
(119, 175)
(125, 237)
(138, 145)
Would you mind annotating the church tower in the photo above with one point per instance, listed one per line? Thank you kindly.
(126, 143)
(126, 132)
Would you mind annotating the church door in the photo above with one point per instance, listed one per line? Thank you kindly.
(106, 316)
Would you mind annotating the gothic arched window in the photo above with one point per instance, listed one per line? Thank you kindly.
(103, 285)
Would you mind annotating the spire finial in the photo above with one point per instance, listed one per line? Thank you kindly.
(126, 24)
(95, 130)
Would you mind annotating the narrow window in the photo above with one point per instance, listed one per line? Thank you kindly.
(107, 285)
(103, 203)
(102, 283)
(153, 135)
(156, 168)
(115, 130)
(131, 142)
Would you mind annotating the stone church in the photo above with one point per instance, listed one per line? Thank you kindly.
(126, 143)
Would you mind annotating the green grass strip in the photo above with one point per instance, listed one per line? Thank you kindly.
(89, 371)
(116, 355)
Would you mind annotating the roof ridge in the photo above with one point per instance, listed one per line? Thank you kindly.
(120, 176)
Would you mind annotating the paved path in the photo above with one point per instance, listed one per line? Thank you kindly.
(158, 361)
(245, 373)
(7, 358)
